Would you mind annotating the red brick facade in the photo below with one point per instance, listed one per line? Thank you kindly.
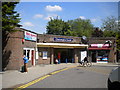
(13, 50)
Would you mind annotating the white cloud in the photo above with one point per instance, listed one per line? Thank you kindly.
(94, 20)
(53, 8)
(51, 17)
(82, 17)
(48, 18)
(117, 21)
(38, 16)
(28, 24)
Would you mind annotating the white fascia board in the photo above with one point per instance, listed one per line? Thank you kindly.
(60, 45)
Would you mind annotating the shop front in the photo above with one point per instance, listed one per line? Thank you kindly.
(65, 53)
(99, 53)
(65, 49)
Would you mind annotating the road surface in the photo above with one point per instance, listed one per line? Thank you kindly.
(78, 77)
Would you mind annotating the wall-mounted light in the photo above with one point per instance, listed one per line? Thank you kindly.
(23, 40)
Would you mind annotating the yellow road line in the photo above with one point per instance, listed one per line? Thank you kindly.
(41, 78)
(32, 82)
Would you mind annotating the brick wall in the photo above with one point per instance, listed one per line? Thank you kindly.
(13, 51)
(50, 38)
(41, 60)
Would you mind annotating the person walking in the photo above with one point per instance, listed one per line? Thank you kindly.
(25, 63)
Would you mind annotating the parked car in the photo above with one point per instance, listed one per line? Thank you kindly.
(114, 79)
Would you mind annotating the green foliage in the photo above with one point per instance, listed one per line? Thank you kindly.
(77, 27)
(10, 18)
(110, 24)
(80, 27)
(58, 27)
(109, 33)
(97, 33)
(118, 40)
(111, 29)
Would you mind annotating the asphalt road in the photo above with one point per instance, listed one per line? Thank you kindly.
(79, 77)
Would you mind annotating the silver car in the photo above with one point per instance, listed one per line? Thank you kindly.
(114, 79)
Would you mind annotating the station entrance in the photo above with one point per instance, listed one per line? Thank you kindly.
(64, 55)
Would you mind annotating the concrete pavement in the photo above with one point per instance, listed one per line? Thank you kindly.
(12, 78)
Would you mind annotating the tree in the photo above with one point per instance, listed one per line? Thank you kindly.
(110, 23)
(110, 26)
(10, 20)
(97, 33)
(58, 27)
(77, 27)
(111, 29)
(118, 40)
(66, 29)
(80, 27)
(109, 33)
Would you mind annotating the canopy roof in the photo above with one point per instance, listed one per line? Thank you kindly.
(61, 45)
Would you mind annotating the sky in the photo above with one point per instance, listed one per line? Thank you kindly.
(35, 15)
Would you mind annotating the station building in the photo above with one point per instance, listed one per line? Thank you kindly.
(44, 49)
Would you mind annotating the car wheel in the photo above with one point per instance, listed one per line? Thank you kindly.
(113, 86)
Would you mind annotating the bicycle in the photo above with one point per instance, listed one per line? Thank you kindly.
(82, 63)
(86, 63)
(89, 63)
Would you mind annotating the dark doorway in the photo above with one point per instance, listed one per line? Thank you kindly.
(64, 54)
(93, 56)
(32, 57)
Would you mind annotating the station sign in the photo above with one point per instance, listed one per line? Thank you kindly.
(63, 40)
(30, 36)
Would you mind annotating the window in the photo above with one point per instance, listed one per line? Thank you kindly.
(27, 52)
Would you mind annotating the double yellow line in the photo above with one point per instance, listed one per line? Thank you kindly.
(41, 78)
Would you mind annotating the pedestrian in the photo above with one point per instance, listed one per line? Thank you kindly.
(56, 60)
(25, 58)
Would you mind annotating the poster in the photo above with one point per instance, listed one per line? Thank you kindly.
(44, 54)
(83, 55)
